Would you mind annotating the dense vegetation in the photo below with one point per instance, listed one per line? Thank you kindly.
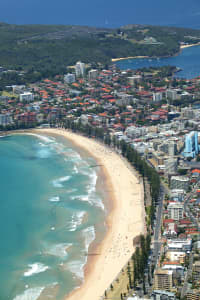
(45, 50)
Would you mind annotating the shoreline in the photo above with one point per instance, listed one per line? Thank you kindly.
(151, 57)
(129, 57)
(189, 45)
(125, 218)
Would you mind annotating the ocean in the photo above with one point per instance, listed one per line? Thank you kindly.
(102, 13)
(51, 211)
(188, 60)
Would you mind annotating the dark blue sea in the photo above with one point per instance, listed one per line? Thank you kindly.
(50, 213)
(104, 13)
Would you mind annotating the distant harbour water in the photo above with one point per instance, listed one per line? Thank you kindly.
(50, 213)
(188, 61)
(112, 13)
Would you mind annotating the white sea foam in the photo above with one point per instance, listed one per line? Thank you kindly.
(45, 152)
(72, 156)
(70, 191)
(42, 145)
(92, 199)
(35, 269)
(59, 250)
(75, 169)
(45, 139)
(91, 196)
(91, 188)
(58, 147)
(80, 198)
(30, 294)
(76, 221)
(84, 171)
(77, 267)
(58, 182)
(55, 199)
(89, 236)
(93, 180)
(95, 200)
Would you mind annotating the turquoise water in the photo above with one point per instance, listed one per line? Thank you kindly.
(50, 213)
(188, 60)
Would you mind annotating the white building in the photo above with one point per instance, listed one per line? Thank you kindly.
(171, 166)
(26, 96)
(179, 244)
(135, 78)
(80, 69)
(177, 195)
(18, 89)
(175, 211)
(92, 74)
(5, 119)
(172, 94)
(157, 96)
(179, 182)
(84, 119)
(162, 295)
(125, 99)
(69, 78)
(175, 256)
(135, 132)
(172, 148)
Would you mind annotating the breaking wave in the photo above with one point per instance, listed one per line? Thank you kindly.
(30, 294)
(58, 182)
(59, 250)
(89, 236)
(77, 266)
(55, 199)
(35, 269)
(77, 219)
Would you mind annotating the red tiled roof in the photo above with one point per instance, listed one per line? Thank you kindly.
(196, 171)
(167, 221)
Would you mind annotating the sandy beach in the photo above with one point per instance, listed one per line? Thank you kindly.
(125, 221)
(129, 57)
(189, 45)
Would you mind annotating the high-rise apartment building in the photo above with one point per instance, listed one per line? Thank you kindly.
(163, 279)
(175, 211)
(191, 145)
(80, 69)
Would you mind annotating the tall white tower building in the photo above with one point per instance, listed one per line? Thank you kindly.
(80, 69)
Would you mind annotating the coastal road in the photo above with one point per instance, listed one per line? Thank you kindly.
(156, 240)
(195, 222)
(157, 243)
(187, 210)
(188, 274)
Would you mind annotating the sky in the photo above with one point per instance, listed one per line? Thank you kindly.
(101, 13)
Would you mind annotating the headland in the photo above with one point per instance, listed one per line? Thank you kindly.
(188, 46)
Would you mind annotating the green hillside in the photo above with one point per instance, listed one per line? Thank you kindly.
(44, 50)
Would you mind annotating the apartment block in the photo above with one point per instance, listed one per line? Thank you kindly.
(163, 279)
